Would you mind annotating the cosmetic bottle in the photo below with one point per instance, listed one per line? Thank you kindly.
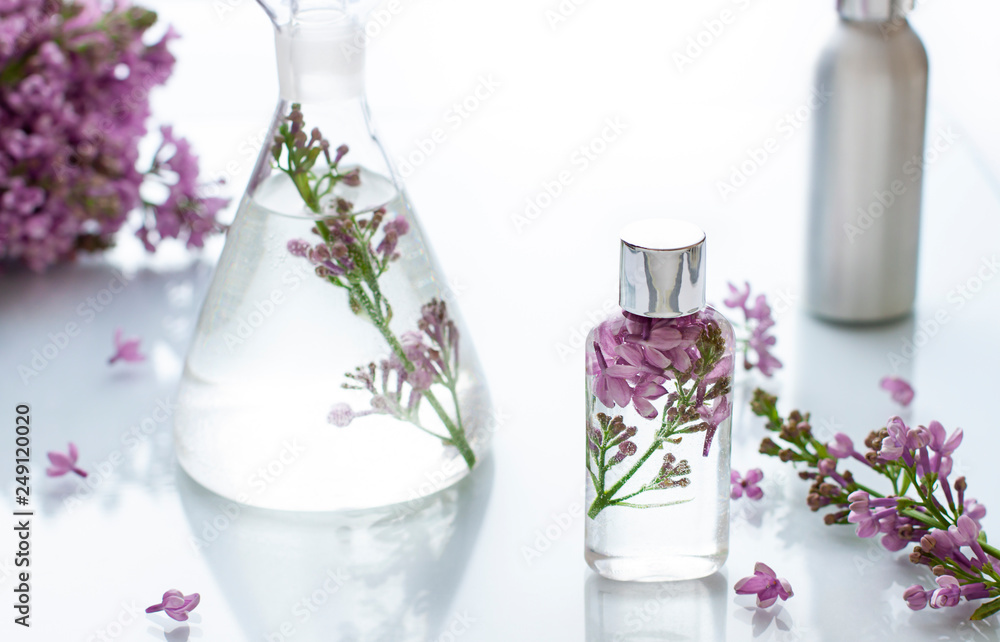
(659, 411)
(867, 169)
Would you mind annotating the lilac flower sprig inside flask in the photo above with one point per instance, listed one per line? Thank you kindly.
(330, 368)
(659, 412)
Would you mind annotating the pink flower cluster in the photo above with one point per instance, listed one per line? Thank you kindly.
(74, 99)
(758, 322)
(633, 356)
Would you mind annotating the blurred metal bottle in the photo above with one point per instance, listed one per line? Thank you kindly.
(867, 165)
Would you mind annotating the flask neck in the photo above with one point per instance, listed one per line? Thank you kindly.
(320, 49)
(874, 10)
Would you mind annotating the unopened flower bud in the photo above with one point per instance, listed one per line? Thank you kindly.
(768, 447)
(960, 484)
(829, 490)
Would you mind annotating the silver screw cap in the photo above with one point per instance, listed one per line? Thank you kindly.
(662, 268)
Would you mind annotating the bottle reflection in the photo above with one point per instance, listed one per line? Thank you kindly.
(675, 611)
(389, 574)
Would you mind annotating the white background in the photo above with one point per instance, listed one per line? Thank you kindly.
(528, 292)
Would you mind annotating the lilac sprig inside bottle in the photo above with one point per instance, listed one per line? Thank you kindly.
(921, 504)
(756, 337)
(352, 250)
(659, 379)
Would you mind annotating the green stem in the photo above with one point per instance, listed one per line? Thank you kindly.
(990, 550)
(456, 433)
(604, 499)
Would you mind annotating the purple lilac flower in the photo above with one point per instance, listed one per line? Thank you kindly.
(841, 447)
(766, 585)
(634, 356)
(714, 418)
(70, 132)
(62, 464)
(974, 509)
(943, 446)
(746, 485)
(867, 519)
(916, 597)
(759, 321)
(126, 349)
(432, 353)
(950, 591)
(176, 605)
(392, 231)
(184, 214)
(901, 391)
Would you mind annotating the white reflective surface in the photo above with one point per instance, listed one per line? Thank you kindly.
(500, 557)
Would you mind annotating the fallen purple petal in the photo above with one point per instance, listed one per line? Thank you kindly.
(766, 585)
(901, 391)
(62, 464)
(176, 605)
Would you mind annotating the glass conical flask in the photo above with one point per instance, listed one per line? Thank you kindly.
(329, 368)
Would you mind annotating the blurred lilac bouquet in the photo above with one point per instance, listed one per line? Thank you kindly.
(75, 78)
(920, 505)
(757, 324)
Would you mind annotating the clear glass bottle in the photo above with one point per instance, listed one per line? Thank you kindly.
(659, 413)
(330, 368)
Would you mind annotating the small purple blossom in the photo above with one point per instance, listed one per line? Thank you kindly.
(126, 349)
(916, 597)
(62, 464)
(746, 485)
(841, 447)
(176, 605)
(766, 585)
(901, 391)
(714, 417)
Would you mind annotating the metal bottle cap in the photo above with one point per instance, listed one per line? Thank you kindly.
(662, 268)
(874, 10)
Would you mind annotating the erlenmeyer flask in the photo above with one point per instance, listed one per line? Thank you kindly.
(329, 369)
